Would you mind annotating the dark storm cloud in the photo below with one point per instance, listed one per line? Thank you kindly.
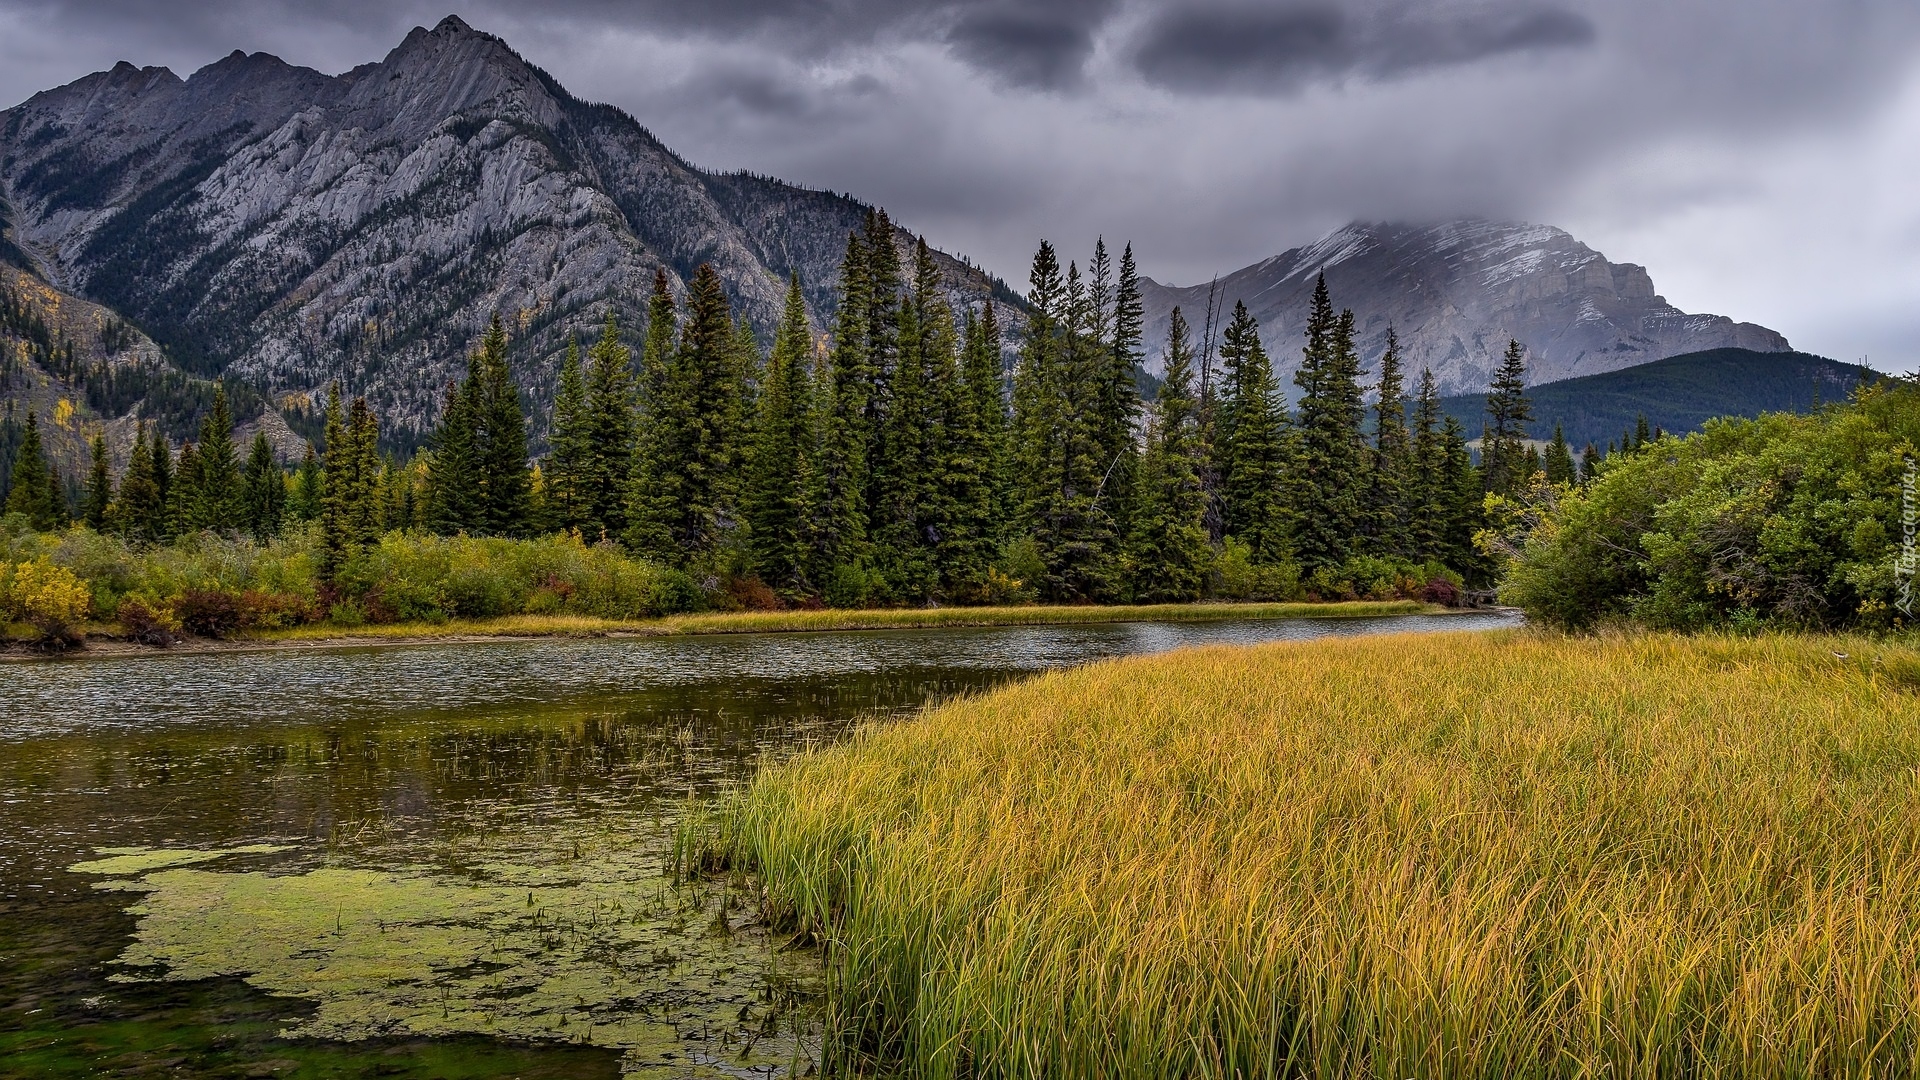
(1042, 46)
(1267, 48)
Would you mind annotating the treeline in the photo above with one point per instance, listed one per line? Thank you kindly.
(895, 457)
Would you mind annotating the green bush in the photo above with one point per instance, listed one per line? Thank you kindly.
(1785, 521)
(1238, 577)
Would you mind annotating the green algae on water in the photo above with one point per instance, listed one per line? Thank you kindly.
(125, 861)
(543, 933)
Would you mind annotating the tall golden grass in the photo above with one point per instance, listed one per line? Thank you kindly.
(1507, 855)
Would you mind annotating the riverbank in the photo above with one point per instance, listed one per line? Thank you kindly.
(104, 641)
(1513, 854)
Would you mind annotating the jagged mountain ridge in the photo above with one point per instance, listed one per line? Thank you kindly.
(284, 227)
(1456, 292)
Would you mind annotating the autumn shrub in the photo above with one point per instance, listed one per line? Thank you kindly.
(48, 598)
(149, 622)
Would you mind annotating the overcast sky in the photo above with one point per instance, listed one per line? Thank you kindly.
(1761, 157)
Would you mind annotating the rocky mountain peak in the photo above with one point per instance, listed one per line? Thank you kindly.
(1456, 292)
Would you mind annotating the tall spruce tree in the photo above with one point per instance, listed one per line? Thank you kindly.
(1118, 411)
(1168, 551)
(1429, 483)
(653, 490)
(564, 473)
(905, 510)
(160, 457)
(1329, 472)
(1249, 439)
(610, 413)
(33, 491)
(776, 503)
(138, 508)
(184, 505)
(970, 460)
(99, 500)
(337, 490)
(263, 497)
(303, 502)
(840, 509)
(1503, 449)
(501, 450)
(1464, 495)
(365, 514)
(1388, 502)
(1558, 463)
(219, 508)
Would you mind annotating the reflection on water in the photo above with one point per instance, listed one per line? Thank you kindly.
(424, 761)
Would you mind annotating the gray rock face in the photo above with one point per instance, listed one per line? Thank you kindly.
(288, 227)
(1456, 293)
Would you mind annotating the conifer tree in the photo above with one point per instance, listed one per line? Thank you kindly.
(1641, 435)
(1329, 472)
(1168, 551)
(610, 412)
(1558, 462)
(337, 493)
(99, 499)
(219, 507)
(1589, 463)
(913, 511)
(683, 482)
(840, 530)
(567, 470)
(1392, 458)
(160, 455)
(365, 515)
(1503, 449)
(33, 490)
(263, 491)
(1249, 432)
(303, 502)
(971, 461)
(654, 491)
(1429, 481)
(501, 450)
(1119, 406)
(138, 507)
(776, 502)
(1465, 494)
(184, 503)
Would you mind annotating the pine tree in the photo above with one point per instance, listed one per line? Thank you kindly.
(610, 412)
(1118, 411)
(1641, 435)
(501, 450)
(455, 501)
(654, 490)
(568, 469)
(775, 504)
(1388, 502)
(840, 509)
(1464, 495)
(1503, 449)
(683, 484)
(1329, 474)
(1249, 433)
(303, 503)
(971, 461)
(99, 501)
(33, 490)
(160, 455)
(1559, 459)
(184, 503)
(337, 492)
(138, 507)
(1429, 482)
(219, 507)
(263, 491)
(914, 512)
(1589, 463)
(1168, 551)
(365, 514)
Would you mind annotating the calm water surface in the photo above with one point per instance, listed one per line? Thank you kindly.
(468, 765)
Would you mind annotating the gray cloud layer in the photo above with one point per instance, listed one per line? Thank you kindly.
(1681, 133)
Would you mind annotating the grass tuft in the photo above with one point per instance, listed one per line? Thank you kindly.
(1505, 855)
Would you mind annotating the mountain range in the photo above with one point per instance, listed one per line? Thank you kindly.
(272, 224)
(276, 228)
(1456, 292)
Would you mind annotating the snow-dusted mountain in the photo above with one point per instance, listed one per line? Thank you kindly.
(1456, 292)
(287, 227)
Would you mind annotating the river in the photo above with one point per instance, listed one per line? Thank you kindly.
(441, 860)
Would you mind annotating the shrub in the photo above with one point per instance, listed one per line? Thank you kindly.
(49, 598)
(1785, 521)
(210, 613)
(149, 623)
(1238, 577)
